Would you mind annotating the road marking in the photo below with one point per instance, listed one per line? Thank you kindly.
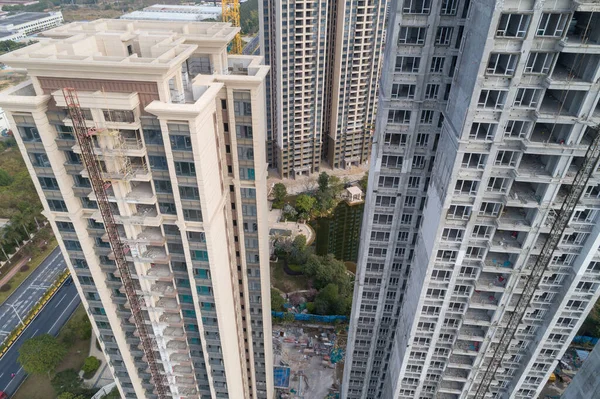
(35, 332)
(61, 299)
(63, 312)
(1, 375)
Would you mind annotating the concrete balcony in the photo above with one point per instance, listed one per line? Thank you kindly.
(484, 300)
(177, 347)
(532, 168)
(471, 333)
(460, 362)
(146, 215)
(452, 387)
(148, 236)
(155, 255)
(478, 317)
(167, 304)
(525, 194)
(180, 358)
(130, 147)
(137, 172)
(452, 374)
(469, 348)
(163, 288)
(173, 332)
(513, 218)
(160, 273)
(507, 241)
(500, 262)
(491, 282)
(185, 381)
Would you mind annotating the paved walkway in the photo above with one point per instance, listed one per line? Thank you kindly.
(13, 271)
(294, 227)
(103, 376)
(30, 292)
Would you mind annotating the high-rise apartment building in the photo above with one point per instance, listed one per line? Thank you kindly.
(505, 96)
(178, 132)
(325, 63)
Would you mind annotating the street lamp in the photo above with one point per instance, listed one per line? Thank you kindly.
(17, 313)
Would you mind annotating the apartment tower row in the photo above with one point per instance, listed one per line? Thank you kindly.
(325, 58)
(486, 112)
(178, 130)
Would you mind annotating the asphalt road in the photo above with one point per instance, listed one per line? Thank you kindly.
(49, 321)
(29, 293)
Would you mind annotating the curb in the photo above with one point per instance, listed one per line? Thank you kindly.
(37, 308)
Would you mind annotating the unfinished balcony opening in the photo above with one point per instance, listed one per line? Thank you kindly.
(509, 239)
(589, 134)
(517, 217)
(574, 167)
(584, 29)
(527, 193)
(492, 283)
(485, 299)
(537, 166)
(500, 260)
(574, 67)
(562, 102)
(548, 133)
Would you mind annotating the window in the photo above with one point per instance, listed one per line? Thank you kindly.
(407, 64)
(498, 184)
(406, 218)
(453, 235)
(88, 203)
(188, 192)
(502, 64)
(389, 181)
(418, 162)
(492, 99)
(458, 212)
(39, 159)
(193, 215)
(242, 107)
(468, 187)
(57, 205)
(399, 116)
(410, 201)
(416, 6)
(513, 25)
(482, 231)
(245, 152)
(395, 139)
(196, 236)
(422, 140)
(473, 160)
(167, 208)
(182, 143)
(199, 254)
(437, 64)
(432, 91)
(243, 131)
(414, 182)
(552, 24)
(482, 131)
(185, 169)
(412, 35)
(527, 98)
(490, 209)
(539, 62)
(444, 35)
(153, 135)
(48, 183)
(29, 133)
(65, 226)
(163, 186)
(248, 192)
(401, 91)
(391, 161)
(427, 117)
(72, 245)
(449, 7)
(506, 158)
(385, 201)
(246, 173)
(158, 162)
(516, 129)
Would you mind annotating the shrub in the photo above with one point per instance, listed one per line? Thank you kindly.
(5, 287)
(24, 268)
(310, 307)
(90, 366)
(66, 381)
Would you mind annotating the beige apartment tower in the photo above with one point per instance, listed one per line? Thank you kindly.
(178, 130)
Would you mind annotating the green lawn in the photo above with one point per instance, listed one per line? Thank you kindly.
(18, 278)
(285, 282)
(38, 386)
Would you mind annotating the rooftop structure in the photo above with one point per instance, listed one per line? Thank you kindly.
(177, 131)
(163, 12)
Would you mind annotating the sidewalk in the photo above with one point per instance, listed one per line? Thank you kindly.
(13, 271)
(103, 376)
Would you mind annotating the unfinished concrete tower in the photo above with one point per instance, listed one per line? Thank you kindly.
(505, 96)
(177, 130)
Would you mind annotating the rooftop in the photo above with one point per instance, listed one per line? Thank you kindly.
(23, 17)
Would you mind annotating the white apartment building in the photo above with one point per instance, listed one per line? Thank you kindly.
(449, 243)
(27, 23)
(325, 62)
(178, 130)
(178, 13)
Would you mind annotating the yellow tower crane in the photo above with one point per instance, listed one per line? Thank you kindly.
(231, 13)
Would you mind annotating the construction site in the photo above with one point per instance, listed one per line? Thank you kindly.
(308, 360)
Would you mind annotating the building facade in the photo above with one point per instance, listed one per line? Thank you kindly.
(28, 23)
(178, 13)
(178, 129)
(504, 96)
(325, 62)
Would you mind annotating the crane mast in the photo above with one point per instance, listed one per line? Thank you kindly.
(90, 161)
(231, 13)
(559, 225)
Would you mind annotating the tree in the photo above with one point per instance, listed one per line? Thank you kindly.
(66, 381)
(279, 194)
(323, 181)
(289, 212)
(363, 182)
(299, 252)
(277, 301)
(330, 301)
(305, 205)
(41, 354)
(83, 327)
(5, 178)
(325, 270)
(90, 365)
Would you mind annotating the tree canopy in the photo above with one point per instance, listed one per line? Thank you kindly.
(41, 354)
(277, 301)
(66, 381)
(305, 205)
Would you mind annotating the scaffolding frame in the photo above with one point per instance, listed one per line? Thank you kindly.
(90, 160)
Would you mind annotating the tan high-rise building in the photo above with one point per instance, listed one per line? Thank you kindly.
(325, 60)
(179, 136)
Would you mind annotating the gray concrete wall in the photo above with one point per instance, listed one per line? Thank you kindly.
(586, 384)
